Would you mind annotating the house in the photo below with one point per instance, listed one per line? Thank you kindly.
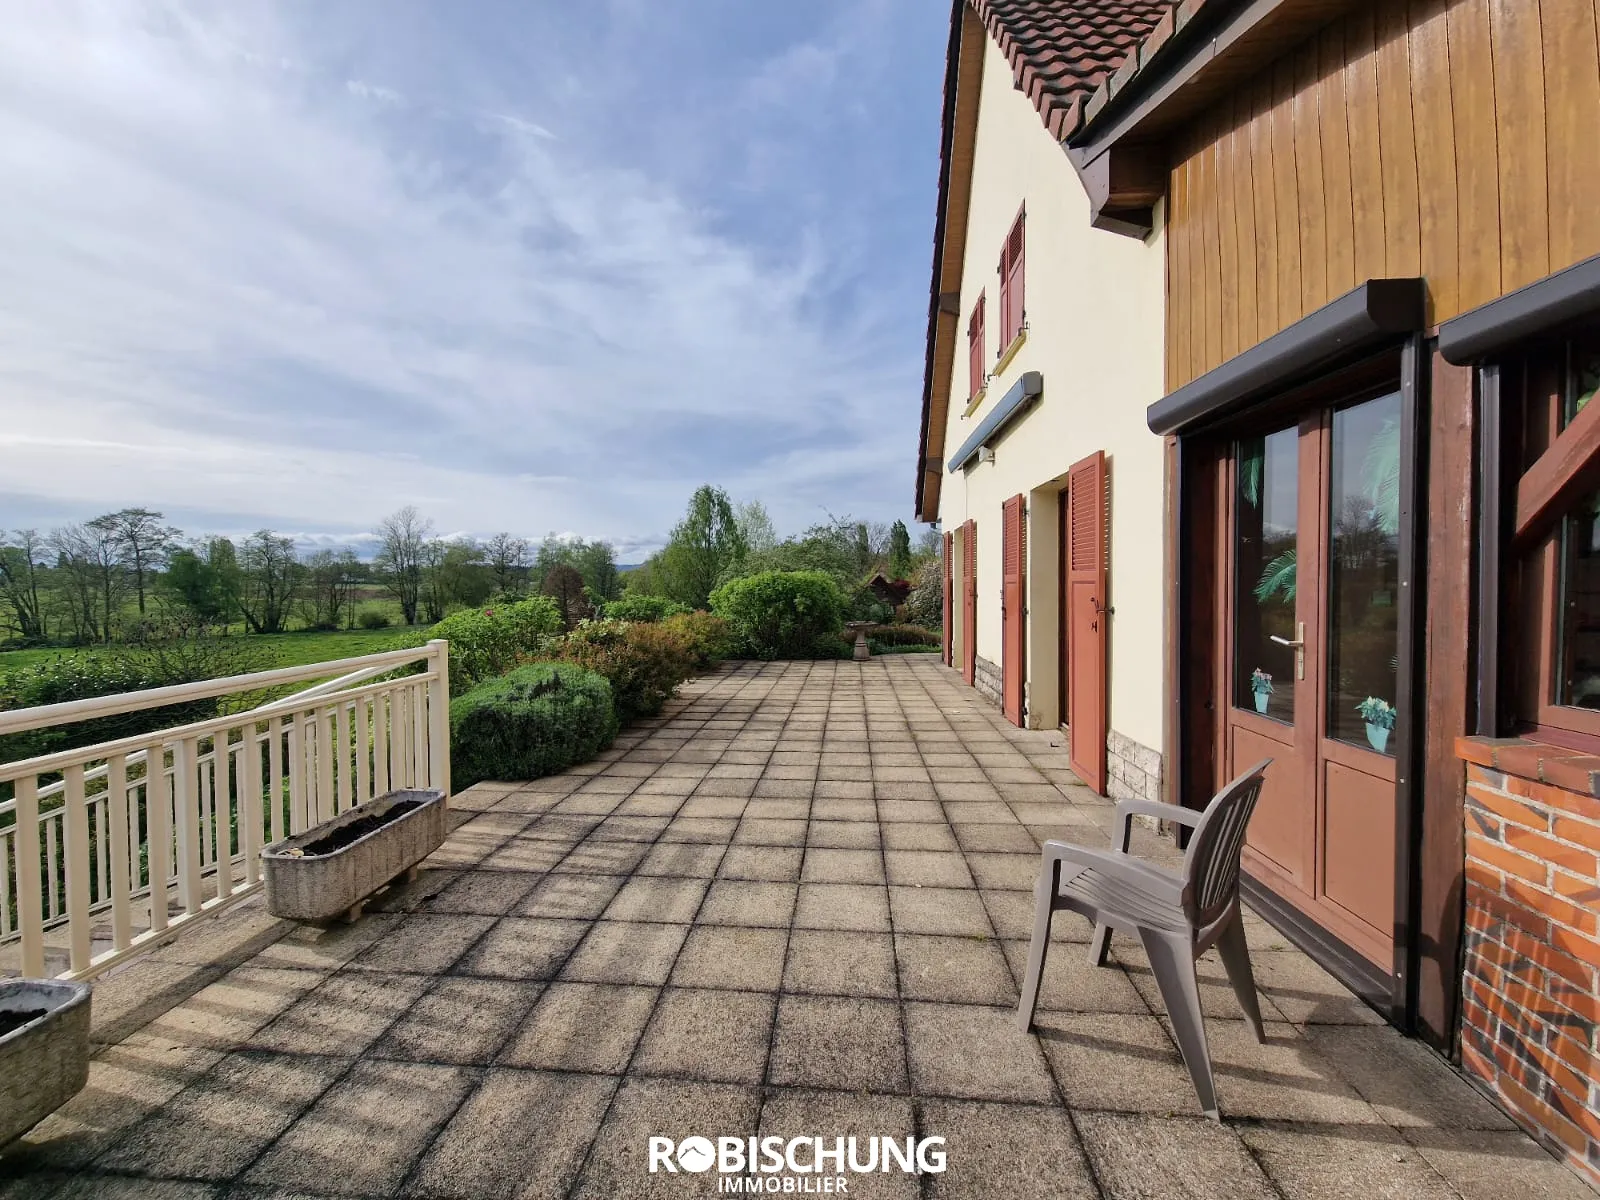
(1381, 265)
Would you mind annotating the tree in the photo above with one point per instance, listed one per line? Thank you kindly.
(565, 586)
(507, 560)
(20, 583)
(451, 573)
(269, 575)
(143, 541)
(90, 566)
(328, 594)
(597, 563)
(195, 585)
(899, 551)
(401, 537)
(756, 526)
(704, 544)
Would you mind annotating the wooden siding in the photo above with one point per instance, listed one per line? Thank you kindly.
(1449, 138)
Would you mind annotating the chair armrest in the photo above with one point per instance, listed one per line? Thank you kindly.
(1146, 877)
(1127, 809)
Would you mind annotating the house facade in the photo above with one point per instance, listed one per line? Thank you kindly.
(1382, 491)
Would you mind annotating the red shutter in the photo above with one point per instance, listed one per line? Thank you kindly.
(949, 628)
(1086, 620)
(1013, 627)
(969, 601)
(1012, 286)
(975, 348)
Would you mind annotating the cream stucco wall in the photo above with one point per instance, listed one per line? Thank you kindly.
(1094, 307)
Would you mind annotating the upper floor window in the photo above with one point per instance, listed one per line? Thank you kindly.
(975, 372)
(1011, 285)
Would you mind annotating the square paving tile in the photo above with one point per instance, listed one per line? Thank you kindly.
(844, 808)
(1282, 1079)
(582, 1027)
(986, 838)
(956, 911)
(973, 1052)
(718, 1036)
(1004, 872)
(780, 864)
(630, 828)
(770, 831)
(926, 811)
(602, 858)
(1332, 1162)
(523, 948)
(580, 897)
(523, 855)
(728, 957)
(926, 868)
(522, 1134)
(842, 866)
(1005, 1150)
(1118, 1061)
(688, 860)
(626, 952)
(838, 963)
(918, 835)
(843, 835)
(227, 1012)
(749, 902)
(1071, 983)
(962, 969)
(491, 893)
(1150, 1158)
(648, 898)
(793, 1112)
(845, 1043)
(856, 906)
(344, 1016)
(459, 1021)
(424, 943)
(618, 1168)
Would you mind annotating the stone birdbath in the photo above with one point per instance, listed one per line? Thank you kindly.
(859, 628)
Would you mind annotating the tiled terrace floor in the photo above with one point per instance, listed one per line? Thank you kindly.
(798, 904)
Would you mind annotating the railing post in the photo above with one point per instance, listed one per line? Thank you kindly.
(120, 851)
(186, 797)
(439, 716)
(79, 866)
(30, 904)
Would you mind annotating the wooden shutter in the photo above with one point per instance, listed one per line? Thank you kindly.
(1013, 627)
(975, 346)
(1087, 614)
(949, 627)
(1012, 287)
(969, 601)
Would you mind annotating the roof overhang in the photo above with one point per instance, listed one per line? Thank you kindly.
(1377, 312)
(1543, 307)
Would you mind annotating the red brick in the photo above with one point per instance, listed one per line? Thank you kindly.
(1549, 850)
(1543, 1116)
(1490, 879)
(1544, 903)
(1479, 751)
(1574, 1055)
(1512, 809)
(1511, 864)
(1576, 1111)
(1576, 945)
(1578, 775)
(1581, 832)
(1541, 793)
(1477, 1064)
(1504, 910)
(1579, 1001)
(1528, 759)
(1576, 888)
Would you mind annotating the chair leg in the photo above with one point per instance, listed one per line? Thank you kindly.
(1235, 954)
(1044, 897)
(1099, 944)
(1172, 961)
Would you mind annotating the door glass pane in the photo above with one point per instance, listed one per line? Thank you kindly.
(1578, 668)
(1266, 528)
(1364, 573)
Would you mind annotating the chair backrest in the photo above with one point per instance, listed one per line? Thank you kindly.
(1211, 866)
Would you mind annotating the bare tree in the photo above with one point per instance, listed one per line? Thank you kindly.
(507, 559)
(402, 537)
(269, 576)
(19, 582)
(565, 586)
(328, 594)
(143, 541)
(77, 581)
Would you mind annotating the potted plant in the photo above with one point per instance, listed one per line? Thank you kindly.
(44, 1050)
(1379, 716)
(1261, 686)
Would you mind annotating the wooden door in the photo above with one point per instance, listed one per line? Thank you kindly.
(1311, 637)
(949, 626)
(1013, 628)
(1087, 629)
(969, 601)
(1063, 620)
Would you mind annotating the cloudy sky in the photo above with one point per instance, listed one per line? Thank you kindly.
(525, 264)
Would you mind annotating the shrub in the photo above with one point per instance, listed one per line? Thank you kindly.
(534, 721)
(643, 608)
(644, 663)
(904, 635)
(372, 618)
(925, 605)
(705, 637)
(490, 641)
(782, 614)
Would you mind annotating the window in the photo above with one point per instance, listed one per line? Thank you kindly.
(1553, 629)
(975, 371)
(1011, 286)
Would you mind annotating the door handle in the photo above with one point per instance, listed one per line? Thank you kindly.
(1299, 646)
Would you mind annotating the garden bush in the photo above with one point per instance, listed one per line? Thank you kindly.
(706, 637)
(534, 721)
(783, 614)
(485, 642)
(372, 618)
(925, 605)
(644, 663)
(643, 608)
(904, 635)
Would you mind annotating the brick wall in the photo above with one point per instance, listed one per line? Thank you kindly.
(1531, 996)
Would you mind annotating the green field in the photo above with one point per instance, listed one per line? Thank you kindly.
(268, 650)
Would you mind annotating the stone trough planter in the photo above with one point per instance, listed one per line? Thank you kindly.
(45, 1061)
(330, 870)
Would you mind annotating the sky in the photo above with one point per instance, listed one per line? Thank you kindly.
(526, 265)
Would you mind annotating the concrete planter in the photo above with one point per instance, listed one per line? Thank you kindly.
(46, 1062)
(303, 887)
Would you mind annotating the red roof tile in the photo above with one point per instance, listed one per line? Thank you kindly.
(1062, 50)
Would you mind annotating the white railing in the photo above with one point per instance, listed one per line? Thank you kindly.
(127, 827)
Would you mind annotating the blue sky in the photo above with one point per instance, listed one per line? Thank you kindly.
(535, 266)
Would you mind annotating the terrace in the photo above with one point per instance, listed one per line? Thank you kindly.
(796, 904)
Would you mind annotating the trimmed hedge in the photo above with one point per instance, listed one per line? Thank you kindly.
(904, 635)
(643, 608)
(535, 721)
(783, 614)
(486, 642)
(704, 636)
(644, 663)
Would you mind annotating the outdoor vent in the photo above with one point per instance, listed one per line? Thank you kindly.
(986, 454)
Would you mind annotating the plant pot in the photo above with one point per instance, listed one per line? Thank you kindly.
(320, 886)
(45, 1063)
(1261, 701)
(1377, 737)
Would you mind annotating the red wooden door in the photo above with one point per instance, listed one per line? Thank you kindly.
(1013, 629)
(1086, 620)
(949, 629)
(969, 601)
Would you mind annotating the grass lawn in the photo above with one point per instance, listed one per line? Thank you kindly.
(268, 649)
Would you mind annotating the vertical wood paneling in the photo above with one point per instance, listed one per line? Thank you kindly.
(1286, 195)
(1179, 365)
(1244, 211)
(1476, 148)
(1267, 215)
(1334, 130)
(1402, 227)
(1227, 234)
(1518, 46)
(1366, 162)
(1310, 195)
(1572, 99)
(1210, 245)
(1436, 157)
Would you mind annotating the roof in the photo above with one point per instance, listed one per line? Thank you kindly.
(1062, 51)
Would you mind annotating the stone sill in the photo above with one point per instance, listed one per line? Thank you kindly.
(1570, 770)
